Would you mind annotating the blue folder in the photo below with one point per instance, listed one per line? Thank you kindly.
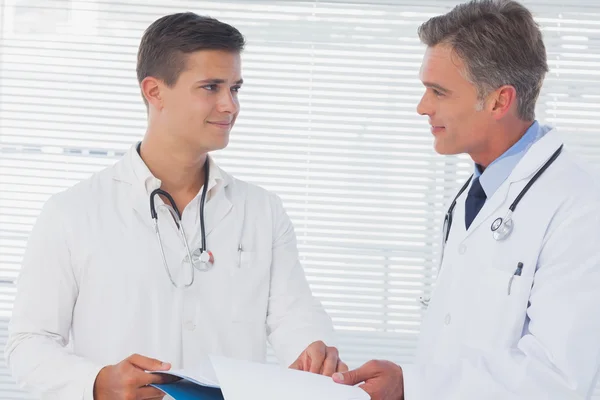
(186, 390)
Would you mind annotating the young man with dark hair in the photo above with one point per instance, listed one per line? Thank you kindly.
(164, 255)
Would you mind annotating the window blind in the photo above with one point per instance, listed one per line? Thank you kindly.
(328, 122)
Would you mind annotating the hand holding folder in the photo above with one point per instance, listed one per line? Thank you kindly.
(223, 378)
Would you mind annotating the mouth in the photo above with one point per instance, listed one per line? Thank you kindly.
(221, 124)
(437, 129)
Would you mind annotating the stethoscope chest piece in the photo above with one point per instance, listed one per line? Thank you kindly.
(202, 260)
(502, 228)
(496, 224)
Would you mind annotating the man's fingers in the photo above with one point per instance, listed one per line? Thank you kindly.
(368, 388)
(298, 364)
(341, 366)
(148, 364)
(355, 376)
(331, 362)
(316, 355)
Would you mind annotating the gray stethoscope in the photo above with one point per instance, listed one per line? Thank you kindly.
(502, 227)
(200, 259)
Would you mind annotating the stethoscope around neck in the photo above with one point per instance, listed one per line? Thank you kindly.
(200, 259)
(501, 227)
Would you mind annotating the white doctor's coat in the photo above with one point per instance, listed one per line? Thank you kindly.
(543, 340)
(93, 270)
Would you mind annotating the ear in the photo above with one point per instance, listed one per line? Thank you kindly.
(151, 90)
(503, 100)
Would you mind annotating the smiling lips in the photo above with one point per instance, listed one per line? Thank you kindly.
(221, 124)
(437, 129)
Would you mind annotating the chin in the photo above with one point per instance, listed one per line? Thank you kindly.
(219, 144)
(444, 148)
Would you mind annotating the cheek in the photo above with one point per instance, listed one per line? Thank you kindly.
(200, 107)
(460, 115)
(470, 127)
(178, 105)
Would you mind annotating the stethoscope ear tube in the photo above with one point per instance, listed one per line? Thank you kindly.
(161, 192)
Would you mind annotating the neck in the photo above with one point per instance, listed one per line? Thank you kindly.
(180, 170)
(500, 140)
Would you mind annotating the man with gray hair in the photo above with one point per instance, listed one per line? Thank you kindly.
(515, 313)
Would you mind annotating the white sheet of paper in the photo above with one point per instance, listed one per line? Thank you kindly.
(243, 380)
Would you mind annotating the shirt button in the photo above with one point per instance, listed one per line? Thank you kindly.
(447, 319)
(462, 249)
(189, 325)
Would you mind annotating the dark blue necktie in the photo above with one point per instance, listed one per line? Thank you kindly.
(475, 200)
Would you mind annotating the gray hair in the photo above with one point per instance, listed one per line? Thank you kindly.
(500, 44)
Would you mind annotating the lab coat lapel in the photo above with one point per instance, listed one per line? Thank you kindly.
(533, 160)
(140, 202)
(215, 210)
(536, 157)
(219, 205)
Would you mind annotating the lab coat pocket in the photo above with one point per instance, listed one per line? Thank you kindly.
(250, 289)
(499, 309)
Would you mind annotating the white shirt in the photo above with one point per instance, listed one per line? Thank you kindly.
(93, 278)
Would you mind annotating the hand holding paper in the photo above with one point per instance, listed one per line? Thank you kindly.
(383, 380)
(244, 380)
(129, 379)
(321, 359)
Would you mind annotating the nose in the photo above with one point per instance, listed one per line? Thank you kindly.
(424, 106)
(228, 103)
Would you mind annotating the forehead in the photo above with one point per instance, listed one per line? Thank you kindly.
(220, 63)
(441, 62)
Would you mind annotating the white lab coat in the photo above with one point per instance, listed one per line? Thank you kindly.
(543, 340)
(93, 270)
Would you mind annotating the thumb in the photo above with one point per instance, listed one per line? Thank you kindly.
(352, 377)
(148, 364)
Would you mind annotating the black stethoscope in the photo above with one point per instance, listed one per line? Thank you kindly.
(200, 259)
(501, 227)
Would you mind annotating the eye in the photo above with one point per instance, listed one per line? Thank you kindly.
(210, 88)
(437, 93)
(236, 89)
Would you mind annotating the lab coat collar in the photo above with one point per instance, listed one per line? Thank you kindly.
(149, 182)
(132, 170)
(531, 162)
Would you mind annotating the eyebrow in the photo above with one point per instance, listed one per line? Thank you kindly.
(436, 87)
(218, 81)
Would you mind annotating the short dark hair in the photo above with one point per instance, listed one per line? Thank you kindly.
(167, 41)
(500, 44)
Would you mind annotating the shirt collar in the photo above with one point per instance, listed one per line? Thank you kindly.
(499, 170)
(149, 182)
